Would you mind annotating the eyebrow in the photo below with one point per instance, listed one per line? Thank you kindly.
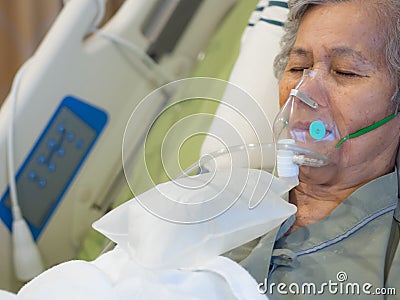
(300, 52)
(342, 51)
(346, 51)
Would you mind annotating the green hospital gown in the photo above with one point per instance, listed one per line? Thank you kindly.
(351, 254)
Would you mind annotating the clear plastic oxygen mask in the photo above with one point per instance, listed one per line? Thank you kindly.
(309, 120)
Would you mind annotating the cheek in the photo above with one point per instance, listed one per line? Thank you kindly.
(359, 110)
(372, 144)
(353, 119)
(284, 92)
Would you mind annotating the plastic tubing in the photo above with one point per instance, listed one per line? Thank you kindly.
(302, 156)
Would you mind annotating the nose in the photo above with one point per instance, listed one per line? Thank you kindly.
(304, 98)
(311, 90)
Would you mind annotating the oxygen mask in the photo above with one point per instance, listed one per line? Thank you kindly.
(309, 121)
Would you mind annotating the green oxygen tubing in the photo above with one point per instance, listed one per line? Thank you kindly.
(366, 129)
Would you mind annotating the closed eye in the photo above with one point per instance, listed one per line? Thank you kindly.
(297, 69)
(347, 74)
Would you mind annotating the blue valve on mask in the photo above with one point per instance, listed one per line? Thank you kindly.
(317, 130)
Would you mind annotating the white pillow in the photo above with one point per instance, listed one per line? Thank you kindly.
(215, 209)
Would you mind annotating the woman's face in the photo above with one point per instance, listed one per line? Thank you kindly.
(344, 44)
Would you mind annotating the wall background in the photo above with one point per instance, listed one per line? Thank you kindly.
(23, 24)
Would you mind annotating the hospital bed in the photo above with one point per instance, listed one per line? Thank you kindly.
(65, 222)
(70, 106)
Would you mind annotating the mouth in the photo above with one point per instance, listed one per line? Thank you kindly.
(300, 131)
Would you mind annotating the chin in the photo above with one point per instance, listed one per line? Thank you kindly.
(324, 175)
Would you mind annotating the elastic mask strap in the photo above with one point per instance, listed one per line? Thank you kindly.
(366, 129)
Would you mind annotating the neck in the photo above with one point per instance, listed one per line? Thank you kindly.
(315, 202)
(321, 190)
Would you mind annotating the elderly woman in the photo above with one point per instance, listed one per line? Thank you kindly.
(344, 239)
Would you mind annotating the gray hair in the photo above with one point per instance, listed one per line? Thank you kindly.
(388, 12)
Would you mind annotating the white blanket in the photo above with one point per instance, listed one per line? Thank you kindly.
(146, 264)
